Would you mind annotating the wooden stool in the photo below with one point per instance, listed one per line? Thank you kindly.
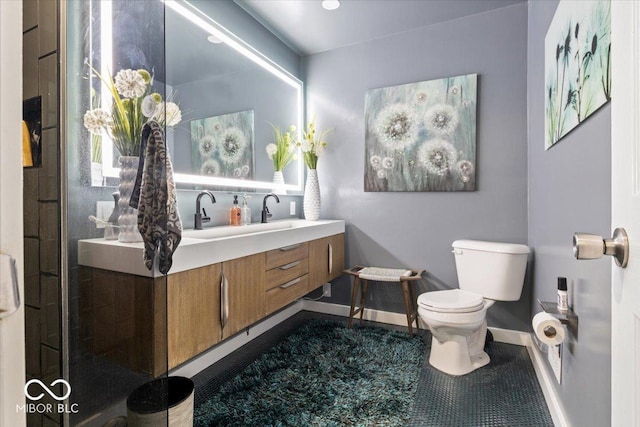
(410, 302)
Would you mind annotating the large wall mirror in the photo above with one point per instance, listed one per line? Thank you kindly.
(229, 95)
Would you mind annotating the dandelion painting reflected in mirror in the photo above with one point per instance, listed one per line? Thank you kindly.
(577, 64)
(222, 146)
(422, 136)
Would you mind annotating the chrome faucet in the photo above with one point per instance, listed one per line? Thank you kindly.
(198, 218)
(265, 210)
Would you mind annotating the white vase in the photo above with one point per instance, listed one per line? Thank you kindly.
(312, 196)
(128, 219)
(278, 183)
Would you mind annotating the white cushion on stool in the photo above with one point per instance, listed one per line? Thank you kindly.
(383, 274)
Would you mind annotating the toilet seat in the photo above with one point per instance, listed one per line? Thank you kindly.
(451, 301)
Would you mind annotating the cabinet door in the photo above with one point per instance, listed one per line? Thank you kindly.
(326, 260)
(193, 310)
(245, 288)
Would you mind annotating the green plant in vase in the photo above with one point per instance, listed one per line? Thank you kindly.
(282, 152)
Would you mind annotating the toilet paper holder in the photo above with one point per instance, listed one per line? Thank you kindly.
(566, 317)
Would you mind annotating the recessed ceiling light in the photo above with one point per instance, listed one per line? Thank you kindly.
(331, 4)
(214, 39)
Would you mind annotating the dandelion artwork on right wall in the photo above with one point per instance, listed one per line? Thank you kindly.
(422, 136)
(577, 65)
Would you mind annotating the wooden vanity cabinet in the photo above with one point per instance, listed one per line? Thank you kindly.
(197, 302)
(193, 312)
(326, 260)
(123, 318)
(246, 306)
(148, 323)
(287, 277)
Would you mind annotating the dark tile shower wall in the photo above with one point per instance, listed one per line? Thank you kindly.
(42, 202)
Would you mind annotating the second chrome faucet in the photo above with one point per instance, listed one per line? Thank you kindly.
(199, 218)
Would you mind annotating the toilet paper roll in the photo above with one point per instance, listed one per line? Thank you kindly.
(548, 328)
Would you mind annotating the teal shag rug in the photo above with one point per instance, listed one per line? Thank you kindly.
(323, 375)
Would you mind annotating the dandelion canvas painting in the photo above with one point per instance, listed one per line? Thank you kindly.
(422, 136)
(222, 146)
(577, 64)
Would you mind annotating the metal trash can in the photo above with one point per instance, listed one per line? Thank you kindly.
(163, 401)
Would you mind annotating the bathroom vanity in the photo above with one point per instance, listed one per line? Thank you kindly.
(223, 280)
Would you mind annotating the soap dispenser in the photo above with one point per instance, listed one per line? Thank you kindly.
(234, 212)
(245, 211)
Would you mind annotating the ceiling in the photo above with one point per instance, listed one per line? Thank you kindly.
(308, 28)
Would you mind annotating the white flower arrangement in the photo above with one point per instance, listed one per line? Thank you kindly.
(132, 84)
(132, 107)
(313, 145)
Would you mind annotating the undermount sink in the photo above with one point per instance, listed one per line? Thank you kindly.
(230, 230)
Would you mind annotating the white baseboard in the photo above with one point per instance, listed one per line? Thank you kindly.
(546, 380)
(509, 336)
(501, 335)
(343, 310)
(202, 362)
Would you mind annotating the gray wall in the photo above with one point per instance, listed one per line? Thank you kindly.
(416, 229)
(569, 191)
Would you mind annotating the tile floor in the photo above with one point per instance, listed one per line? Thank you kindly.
(504, 393)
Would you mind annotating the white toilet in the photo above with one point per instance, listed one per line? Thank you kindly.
(487, 272)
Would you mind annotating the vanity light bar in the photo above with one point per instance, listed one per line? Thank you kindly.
(227, 37)
(106, 65)
(230, 182)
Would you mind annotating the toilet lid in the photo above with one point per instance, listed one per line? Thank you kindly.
(450, 301)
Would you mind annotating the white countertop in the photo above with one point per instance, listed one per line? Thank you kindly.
(209, 246)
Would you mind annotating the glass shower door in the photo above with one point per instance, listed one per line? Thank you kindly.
(116, 320)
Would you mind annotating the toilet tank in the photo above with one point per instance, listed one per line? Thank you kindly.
(493, 270)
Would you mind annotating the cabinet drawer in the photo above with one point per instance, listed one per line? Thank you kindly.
(279, 275)
(282, 295)
(286, 255)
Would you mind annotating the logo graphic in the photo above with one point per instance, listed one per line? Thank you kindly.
(47, 389)
(35, 407)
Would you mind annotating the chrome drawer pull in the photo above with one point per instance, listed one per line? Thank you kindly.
(290, 265)
(290, 247)
(290, 283)
(330, 258)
